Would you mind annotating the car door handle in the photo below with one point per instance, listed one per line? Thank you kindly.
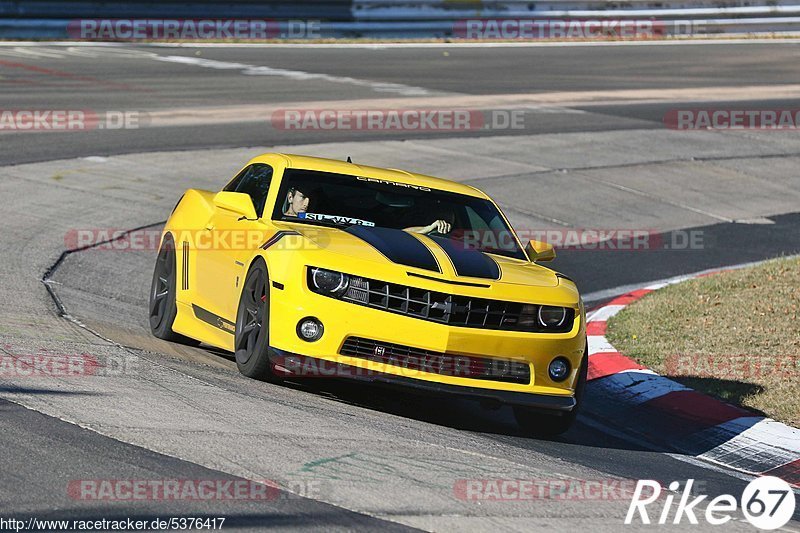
(210, 227)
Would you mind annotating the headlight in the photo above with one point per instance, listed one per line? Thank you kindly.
(544, 318)
(328, 281)
(551, 317)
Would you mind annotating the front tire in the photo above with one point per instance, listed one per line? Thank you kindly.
(251, 343)
(538, 424)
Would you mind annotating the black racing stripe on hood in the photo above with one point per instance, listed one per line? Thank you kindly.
(398, 246)
(467, 262)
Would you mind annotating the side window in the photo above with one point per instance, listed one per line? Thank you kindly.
(476, 222)
(254, 181)
(231, 187)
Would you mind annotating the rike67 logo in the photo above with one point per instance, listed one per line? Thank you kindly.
(767, 503)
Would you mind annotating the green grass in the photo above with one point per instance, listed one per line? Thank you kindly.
(734, 335)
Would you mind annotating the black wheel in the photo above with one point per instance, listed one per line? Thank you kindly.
(252, 326)
(538, 424)
(163, 309)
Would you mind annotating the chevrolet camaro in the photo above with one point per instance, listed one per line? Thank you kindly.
(308, 267)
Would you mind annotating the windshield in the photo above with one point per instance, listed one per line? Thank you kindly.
(327, 199)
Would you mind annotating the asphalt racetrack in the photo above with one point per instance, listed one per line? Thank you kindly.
(592, 150)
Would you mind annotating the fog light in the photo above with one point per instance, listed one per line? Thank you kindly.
(558, 369)
(309, 329)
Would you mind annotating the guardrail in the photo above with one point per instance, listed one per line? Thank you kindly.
(340, 10)
(397, 19)
(744, 11)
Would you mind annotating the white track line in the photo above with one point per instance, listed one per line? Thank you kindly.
(256, 70)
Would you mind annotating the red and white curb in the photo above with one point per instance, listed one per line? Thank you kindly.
(624, 393)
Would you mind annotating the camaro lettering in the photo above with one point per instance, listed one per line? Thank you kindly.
(395, 183)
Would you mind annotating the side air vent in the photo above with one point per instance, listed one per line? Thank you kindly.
(185, 279)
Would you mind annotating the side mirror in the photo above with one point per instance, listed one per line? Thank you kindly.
(540, 251)
(238, 202)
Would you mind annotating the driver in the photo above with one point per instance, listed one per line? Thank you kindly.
(296, 202)
(437, 226)
(441, 225)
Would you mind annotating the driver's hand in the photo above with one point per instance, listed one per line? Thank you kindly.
(439, 226)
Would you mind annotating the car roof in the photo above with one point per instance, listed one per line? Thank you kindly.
(400, 176)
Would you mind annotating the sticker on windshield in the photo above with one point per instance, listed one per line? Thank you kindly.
(395, 183)
(336, 219)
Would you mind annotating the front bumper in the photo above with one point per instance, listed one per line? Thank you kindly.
(301, 364)
(341, 320)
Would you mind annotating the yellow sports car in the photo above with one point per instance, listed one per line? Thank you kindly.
(313, 267)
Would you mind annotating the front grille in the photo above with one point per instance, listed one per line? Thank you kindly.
(483, 368)
(446, 308)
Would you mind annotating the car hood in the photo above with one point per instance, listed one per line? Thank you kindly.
(434, 257)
